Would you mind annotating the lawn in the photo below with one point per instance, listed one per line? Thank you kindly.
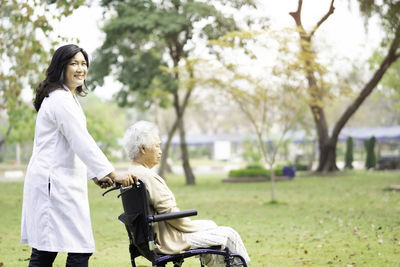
(345, 219)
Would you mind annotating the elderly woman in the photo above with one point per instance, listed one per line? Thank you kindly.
(143, 146)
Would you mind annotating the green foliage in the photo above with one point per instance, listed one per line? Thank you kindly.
(388, 11)
(251, 153)
(148, 47)
(254, 166)
(300, 167)
(106, 124)
(243, 173)
(22, 120)
(255, 170)
(200, 151)
(390, 82)
(145, 42)
(370, 161)
(266, 99)
(349, 153)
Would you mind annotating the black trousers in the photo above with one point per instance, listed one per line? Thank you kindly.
(46, 258)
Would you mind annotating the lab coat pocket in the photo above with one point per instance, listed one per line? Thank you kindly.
(68, 188)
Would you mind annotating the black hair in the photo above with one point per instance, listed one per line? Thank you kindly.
(55, 72)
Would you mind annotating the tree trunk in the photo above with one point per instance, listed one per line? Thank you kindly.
(272, 182)
(176, 53)
(326, 146)
(3, 141)
(190, 179)
(180, 109)
(327, 154)
(163, 164)
(327, 157)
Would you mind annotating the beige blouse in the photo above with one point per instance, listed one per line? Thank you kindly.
(170, 237)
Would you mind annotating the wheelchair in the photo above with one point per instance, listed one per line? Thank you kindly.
(138, 223)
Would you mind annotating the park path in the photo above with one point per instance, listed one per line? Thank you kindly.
(7, 176)
(19, 175)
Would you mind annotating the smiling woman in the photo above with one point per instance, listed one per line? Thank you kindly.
(76, 71)
(62, 71)
(55, 210)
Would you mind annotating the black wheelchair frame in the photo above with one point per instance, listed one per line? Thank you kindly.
(138, 222)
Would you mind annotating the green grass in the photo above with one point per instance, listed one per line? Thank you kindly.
(339, 220)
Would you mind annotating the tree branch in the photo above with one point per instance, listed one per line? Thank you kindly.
(322, 20)
(297, 15)
(390, 57)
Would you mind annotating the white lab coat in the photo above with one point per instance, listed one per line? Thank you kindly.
(55, 210)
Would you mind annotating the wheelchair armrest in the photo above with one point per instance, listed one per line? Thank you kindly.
(172, 215)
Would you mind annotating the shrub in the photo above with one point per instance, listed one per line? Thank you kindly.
(255, 166)
(369, 145)
(349, 153)
(255, 170)
(300, 167)
(249, 173)
(278, 171)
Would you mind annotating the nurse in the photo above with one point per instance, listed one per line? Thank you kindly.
(55, 210)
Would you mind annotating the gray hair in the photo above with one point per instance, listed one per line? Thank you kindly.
(142, 133)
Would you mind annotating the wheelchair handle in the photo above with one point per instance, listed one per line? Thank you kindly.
(119, 186)
(172, 215)
(116, 187)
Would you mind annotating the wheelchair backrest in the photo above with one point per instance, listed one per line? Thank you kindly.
(136, 212)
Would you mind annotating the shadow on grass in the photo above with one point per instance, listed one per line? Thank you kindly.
(314, 174)
(275, 203)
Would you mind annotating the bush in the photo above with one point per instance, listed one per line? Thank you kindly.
(349, 153)
(300, 167)
(255, 170)
(249, 173)
(255, 166)
(278, 171)
(370, 161)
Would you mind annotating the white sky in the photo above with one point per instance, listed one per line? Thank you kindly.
(343, 31)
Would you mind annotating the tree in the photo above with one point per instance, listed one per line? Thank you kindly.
(265, 107)
(148, 44)
(268, 104)
(23, 57)
(388, 12)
